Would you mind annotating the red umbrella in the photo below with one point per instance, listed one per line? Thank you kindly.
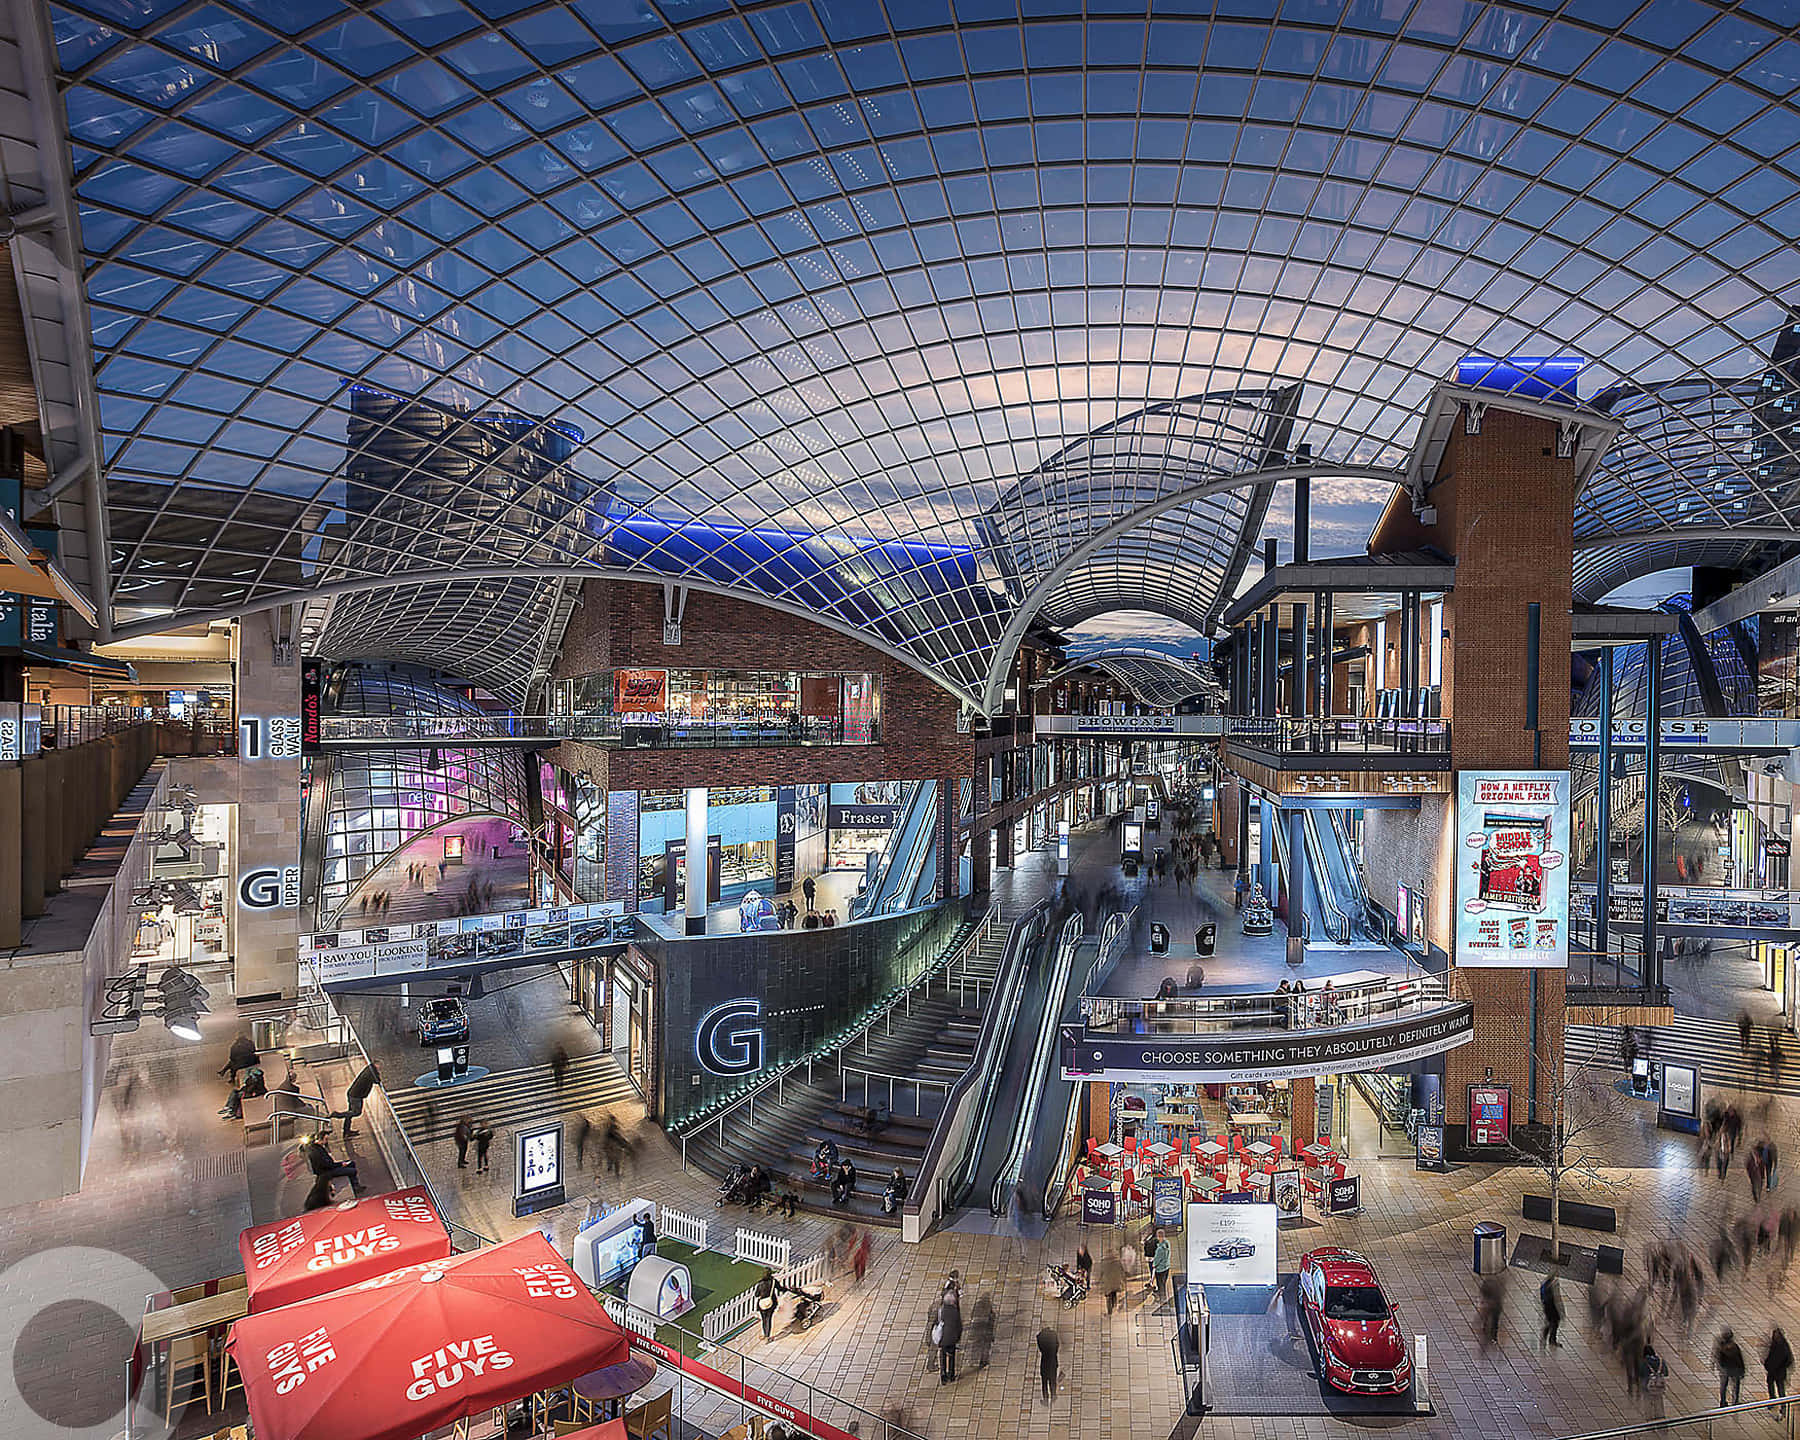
(408, 1352)
(341, 1245)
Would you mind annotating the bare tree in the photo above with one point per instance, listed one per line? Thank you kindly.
(1581, 1102)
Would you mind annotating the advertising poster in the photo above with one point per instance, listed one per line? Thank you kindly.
(1231, 1244)
(1512, 875)
(640, 692)
(1403, 913)
(537, 1167)
(787, 819)
(1429, 1091)
(1428, 1148)
(1490, 1114)
(1132, 840)
(1679, 1105)
(1343, 1197)
(1166, 1199)
(1418, 919)
(1284, 1193)
(1099, 1205)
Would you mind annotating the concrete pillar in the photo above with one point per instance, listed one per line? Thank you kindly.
(696, 860)
(12, 833)
(1303, 1111)
(1267, 818)
(266, 830)
(37, 841)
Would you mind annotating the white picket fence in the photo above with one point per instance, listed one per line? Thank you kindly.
(734, 1314)
(629, 1317)
(677, 1225)
(807, 1275)
(760, 1249)
(740, 1310)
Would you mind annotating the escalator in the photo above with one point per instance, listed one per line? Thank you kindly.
(1021, 1133)
(1335, 856)
(1336, 905)
(907, 874)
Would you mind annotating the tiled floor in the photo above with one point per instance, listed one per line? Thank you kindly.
(167, 1192)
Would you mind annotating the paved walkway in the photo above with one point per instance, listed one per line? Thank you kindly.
(166, 1191)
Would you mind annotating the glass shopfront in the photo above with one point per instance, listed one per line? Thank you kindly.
(690, 706)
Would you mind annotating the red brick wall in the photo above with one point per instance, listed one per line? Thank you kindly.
(619, 623)
(1514, 517)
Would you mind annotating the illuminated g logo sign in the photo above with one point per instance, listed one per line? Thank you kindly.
(725, 1047)
(260, 889)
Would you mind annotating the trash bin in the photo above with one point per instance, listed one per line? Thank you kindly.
(1205, 939)
(1159, 939)
(1490, 1248)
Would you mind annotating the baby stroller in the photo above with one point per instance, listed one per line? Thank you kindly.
(1071, 1288)
(808, 1305)
(734, 1189)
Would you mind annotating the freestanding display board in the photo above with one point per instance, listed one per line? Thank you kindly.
(1231, 1244)
(1678, 1103)
(537, 1167)
(1512, 872)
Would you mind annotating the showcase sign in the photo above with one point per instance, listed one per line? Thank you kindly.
(1512, 873)
(1094, 1055)
(1166, 1199)
(1099, 1205)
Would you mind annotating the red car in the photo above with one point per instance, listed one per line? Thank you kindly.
(1353, 1324)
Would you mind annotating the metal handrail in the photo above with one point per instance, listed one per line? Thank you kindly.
(1338, 734)
(1787, 1404)
(1309, 1010)
(778, 1076)
(930, 1185)
(918, 1082)
(1012, 1167)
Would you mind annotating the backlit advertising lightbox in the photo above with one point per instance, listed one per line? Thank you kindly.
(1512, 872)
(1490, 1114)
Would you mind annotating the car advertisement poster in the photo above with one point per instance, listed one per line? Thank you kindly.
(1490, 1114)
(1512, 873)
(1231, 1244)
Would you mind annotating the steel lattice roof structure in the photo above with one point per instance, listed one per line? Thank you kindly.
(1155, 677)
(921, 319)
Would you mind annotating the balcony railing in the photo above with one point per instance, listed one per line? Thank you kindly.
(1367, 743)
(1359, 1004)
(352, 731)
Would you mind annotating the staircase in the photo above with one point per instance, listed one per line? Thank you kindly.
(512, 1097)
(935, 1041)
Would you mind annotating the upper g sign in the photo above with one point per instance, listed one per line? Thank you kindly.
(727, 1046)
(269, 887)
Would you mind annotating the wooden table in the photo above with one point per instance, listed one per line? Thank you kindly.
(1253, 1121)
(206, 1313)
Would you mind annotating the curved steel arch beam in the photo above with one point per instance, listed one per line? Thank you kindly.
(546, 572)
(1749, 534)
(1015, 630)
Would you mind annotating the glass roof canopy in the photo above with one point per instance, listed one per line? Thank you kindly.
(1158, 679)
(805, 298)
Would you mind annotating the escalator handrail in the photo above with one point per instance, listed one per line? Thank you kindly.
(1003, 1002)
(1115, 935)
(1049, 1028)
(921, 816)
(1323, 881)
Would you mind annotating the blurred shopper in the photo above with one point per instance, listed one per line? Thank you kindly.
(1551, 1300)
(1048, 1343)
(462, 1135)
(946, 1334)
(1728, 1359)
(357, 1095)
(1777, 1359)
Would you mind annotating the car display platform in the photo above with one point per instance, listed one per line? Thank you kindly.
(1262, 1362)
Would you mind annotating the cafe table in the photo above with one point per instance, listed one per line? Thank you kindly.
(1204, 1185)
(1159, 1151)
(1109, 1151)
(1253, 1122)
(615, 1382)
(1259, 1182)
(1261, 1149)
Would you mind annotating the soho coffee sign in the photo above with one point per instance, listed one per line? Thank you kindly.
(1275, 1056)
